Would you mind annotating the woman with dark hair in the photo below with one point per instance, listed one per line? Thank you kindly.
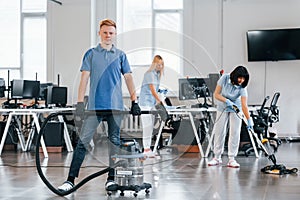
(230, 91)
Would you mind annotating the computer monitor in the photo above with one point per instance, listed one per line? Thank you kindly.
(17, 89)
(2, 87)
(43, 90)
(193, 88)
(31, 89)
(57, 96)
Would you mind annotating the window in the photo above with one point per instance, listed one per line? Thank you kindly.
(23, 40)
(156, 26)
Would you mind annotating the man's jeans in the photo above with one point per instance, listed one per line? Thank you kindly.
(89, 127)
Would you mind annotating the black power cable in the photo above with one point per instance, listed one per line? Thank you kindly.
(38, 164)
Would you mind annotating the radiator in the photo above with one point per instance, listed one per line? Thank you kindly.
(131, 124)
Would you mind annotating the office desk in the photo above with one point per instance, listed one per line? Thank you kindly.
(25, 145)
(185, 112)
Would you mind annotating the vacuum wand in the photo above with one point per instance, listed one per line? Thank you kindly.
(264, 143)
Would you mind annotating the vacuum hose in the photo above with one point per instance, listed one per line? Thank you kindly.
(90, 177)
(38, 164)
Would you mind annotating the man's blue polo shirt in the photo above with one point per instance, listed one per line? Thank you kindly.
(106, 69)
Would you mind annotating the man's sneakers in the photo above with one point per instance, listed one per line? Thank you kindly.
(215, 162)
(111, 185)
(66, 186)
(233, 164)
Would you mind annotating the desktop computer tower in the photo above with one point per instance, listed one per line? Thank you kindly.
(53, 135)
(11, 141)
(11, 137)
(185, 134)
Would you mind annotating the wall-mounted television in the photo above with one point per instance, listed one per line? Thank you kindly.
(273, 44)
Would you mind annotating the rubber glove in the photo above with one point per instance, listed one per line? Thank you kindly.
(79, 113)
(250, 124)
(162, 111)
(135, 108)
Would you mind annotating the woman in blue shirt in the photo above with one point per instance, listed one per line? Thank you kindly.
(149, 98)
(230, 91)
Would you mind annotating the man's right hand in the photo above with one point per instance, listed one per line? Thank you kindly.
(79, 113)
(135, 108)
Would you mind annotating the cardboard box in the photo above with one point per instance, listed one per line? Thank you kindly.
(188, 148)
(52, 149)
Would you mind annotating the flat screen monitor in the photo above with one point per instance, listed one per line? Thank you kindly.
(57, 96)
(17, 89)
(193, 88)
(2, 87)
(273, 44)
(43, 90)
(31, 89)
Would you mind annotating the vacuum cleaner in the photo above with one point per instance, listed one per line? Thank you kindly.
(128, 166)
(130, 175)
(264, 144)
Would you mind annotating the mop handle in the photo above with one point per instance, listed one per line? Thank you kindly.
(260, 143)
(240, 114)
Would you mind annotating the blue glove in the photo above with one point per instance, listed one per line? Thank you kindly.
(229, 103)
(250, 124)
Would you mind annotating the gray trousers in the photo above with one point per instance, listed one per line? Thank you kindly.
(223, 120)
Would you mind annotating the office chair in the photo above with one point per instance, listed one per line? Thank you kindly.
(264, 119)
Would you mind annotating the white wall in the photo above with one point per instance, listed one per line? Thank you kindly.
(69, 36)
(232, 18)
(269, 77)
(214, 38)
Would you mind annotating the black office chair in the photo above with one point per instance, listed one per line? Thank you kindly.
(264, 119)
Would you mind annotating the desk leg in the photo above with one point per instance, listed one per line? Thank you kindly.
(209, 144)
(38, 128)
(196, 135)
(18, 130)
(21, 139)
(158, 136)
(5, 132)
(30, 137)
(66, 134)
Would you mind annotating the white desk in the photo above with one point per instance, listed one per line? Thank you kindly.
(189, 112)
(34, 113)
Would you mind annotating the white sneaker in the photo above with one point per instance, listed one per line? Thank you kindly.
(233, 164)
(215, 162)
(66, 186)
(148, 153)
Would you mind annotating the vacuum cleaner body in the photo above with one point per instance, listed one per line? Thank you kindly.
(130, 175)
